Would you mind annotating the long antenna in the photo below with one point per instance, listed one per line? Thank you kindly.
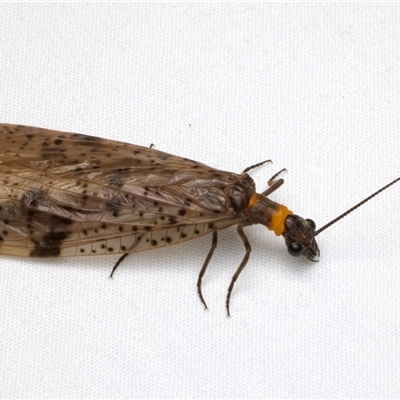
(353, 208)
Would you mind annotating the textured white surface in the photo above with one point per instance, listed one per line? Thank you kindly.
(315, 87)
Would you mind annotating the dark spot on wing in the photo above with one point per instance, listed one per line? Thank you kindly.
(119, 177)
(33, 198)
(50, 245)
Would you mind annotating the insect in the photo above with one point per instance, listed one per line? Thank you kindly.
(65, 194)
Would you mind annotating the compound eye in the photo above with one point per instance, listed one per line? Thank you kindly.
(312, 224)
(295, 249)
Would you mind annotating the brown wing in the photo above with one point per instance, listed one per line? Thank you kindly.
(71, 194)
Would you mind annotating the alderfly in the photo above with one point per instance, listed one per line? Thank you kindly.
(65, 194)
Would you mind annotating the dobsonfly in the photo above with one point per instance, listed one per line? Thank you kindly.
(66, 194)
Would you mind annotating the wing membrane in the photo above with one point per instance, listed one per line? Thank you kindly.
(64, 190)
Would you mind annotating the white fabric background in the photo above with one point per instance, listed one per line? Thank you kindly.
(315, 87)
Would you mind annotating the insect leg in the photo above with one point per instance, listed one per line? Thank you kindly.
(241, 266)
(205, 265)
(255, 166)
(272, 180)
(117, 263)
(274, 183)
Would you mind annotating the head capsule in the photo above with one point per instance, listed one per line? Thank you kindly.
(299, 237)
